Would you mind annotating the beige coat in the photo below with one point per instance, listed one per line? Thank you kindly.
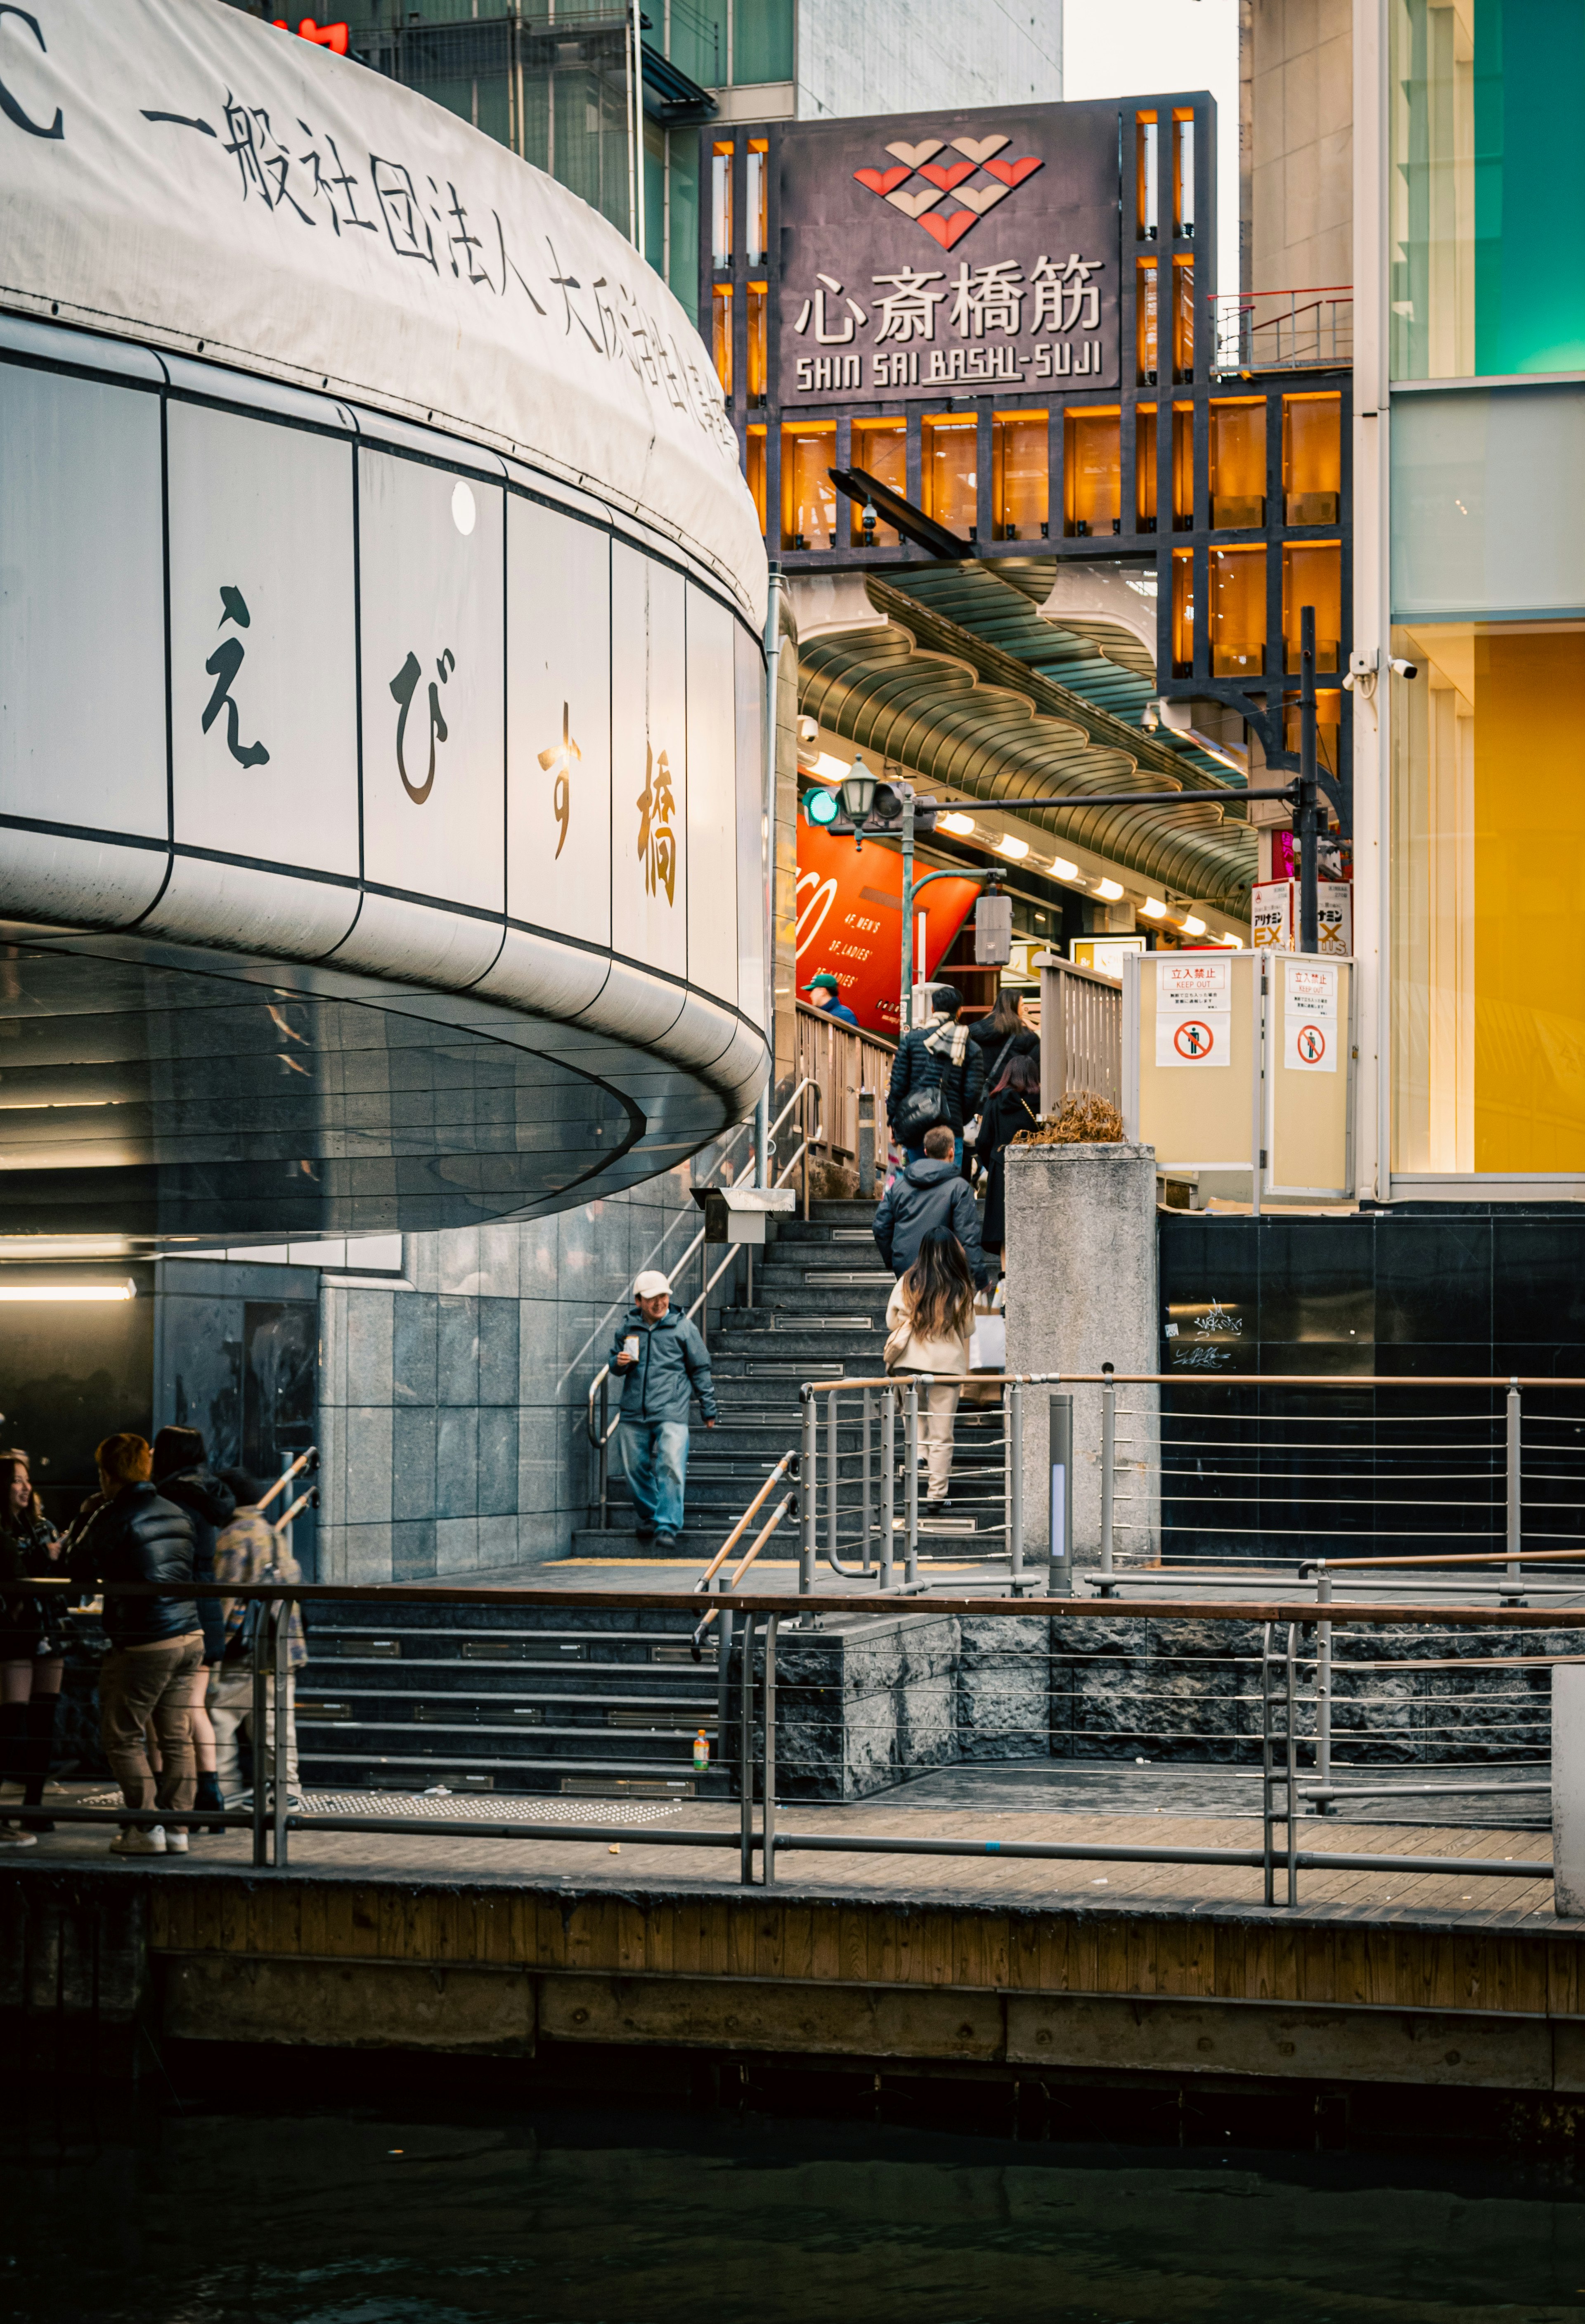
(947, 1359)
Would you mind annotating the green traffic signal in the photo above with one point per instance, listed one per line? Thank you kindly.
(821, 807)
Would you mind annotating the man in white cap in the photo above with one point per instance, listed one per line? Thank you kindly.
(662, 1364)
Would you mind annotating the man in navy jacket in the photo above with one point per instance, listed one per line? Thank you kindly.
(662, 1364)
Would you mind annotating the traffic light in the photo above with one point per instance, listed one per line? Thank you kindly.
(822, 808)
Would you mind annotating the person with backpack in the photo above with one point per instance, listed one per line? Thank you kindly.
(930, 1322)
(930, 1196)
(936, 1077)
(249, 1551)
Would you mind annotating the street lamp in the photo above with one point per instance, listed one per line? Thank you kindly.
(857, 792)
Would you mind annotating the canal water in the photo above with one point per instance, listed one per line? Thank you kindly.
(205, 2216)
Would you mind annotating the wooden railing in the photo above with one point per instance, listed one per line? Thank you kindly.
(843, 1059)
(1081, 1034)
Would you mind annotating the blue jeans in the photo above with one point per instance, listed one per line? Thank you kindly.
(916, 1153)
(655, 1456)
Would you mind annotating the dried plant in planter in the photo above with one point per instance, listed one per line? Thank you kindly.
(1082, 1120)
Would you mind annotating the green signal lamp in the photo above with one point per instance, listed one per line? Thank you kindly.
(857, 792)
(821, 807)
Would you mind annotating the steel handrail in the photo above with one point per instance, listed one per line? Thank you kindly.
(302, 1461)
(741, 1527)
(760, 1538)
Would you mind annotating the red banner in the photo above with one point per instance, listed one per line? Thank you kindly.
(850, 921)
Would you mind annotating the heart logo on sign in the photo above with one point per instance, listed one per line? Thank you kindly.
(948, 177)
(881, 181)
(948, 230)
(1013, 173)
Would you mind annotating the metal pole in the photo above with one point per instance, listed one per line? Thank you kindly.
(746, 1756)
(282, 1626)
(1108, 1470)
(1309, 809)
(1267, 1864)
(605, 1456)
(261, 1645)
(1012, 1399)
(866, 1153)
(907, 998)
(869, 1520)
(722, 1673)
(1060, 1463)
(808, 1492)
(1323, 1682)
(1293, 1768)
(768, 1763)
(1515, 1503)
(911, 1504)
(888, 1492)
(832, 1538)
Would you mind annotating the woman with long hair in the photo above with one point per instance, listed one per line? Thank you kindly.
(930, 1321)
(32, 1644)
(1005, 1034)
(1014, 1104)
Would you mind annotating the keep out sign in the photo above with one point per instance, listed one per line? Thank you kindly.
(1309, 1018)
(1194, 1013)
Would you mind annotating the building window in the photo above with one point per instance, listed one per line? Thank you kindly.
(951, 471)
(721, 334)
(1144, 467)
(809, 496)
(698, 40)
(1145, 321)
(1183, 176)
(1238, 465)
(1312, 458)
(754, 469)
(756, 227)
(1313, 575)
(683, 192)
(1020, 474)
(1488, 829)
(758, 293)
(881, 447)
(1183, 468)
(1182, 318)
(721, 205)
(1091, 472)
(761, 40)
(1183, 612)
(1237, 590)
(1145, 181)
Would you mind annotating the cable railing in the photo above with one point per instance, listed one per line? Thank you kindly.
(1282, 330)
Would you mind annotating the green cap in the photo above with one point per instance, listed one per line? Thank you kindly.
(825, 977)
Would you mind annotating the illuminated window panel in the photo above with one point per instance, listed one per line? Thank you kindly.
(720, 333)
(755, 222)
(758, 373)
(881, 447)
(1183, 175)
(1237, 612)
(1313, 575)
(1182, 318)
(1091, 472)
(1146, 151)
(1183, 612)
(809, 496)
(1238, 465)
(754, 469)
(1144, 467)
(1312, 458)
(1183, 466)
(721, 204)
(951, 471)
(1020, 474)
(1145, 321)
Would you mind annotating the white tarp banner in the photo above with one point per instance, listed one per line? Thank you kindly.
(174, 171)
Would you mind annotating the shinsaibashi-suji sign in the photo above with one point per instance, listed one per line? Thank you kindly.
(929, 252)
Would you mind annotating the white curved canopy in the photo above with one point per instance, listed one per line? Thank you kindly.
(178, 172)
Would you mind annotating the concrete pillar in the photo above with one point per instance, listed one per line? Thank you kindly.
(1568, 1790)
(1082, 1293)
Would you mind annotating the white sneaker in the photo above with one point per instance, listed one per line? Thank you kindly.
(136, 1841)
(11, 1837)
(176, 1840)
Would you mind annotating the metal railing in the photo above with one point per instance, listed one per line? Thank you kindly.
(771, 1719)
(844, 1060)
(1282, 330)
(1081, 1034)
(600, 1423)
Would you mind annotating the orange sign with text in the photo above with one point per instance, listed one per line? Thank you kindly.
(850, 922)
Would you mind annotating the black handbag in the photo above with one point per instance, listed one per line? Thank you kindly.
(919, 1111)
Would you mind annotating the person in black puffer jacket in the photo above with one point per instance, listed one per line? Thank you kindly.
(939, 1067)
(156, 1643)
(183, 1475)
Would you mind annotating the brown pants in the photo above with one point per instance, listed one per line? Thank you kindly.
(138, 1684)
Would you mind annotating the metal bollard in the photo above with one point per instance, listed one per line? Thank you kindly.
(866, 1145)
(263, 1643)
(1060, 1461)
(888, 1495)
(1513, 1594)
(808, 1493)
(1108, 1472)
(768, 1761)
(832, 1539)
(911, 1454)
(1012, 1430)
(1323, 1685)
(746, 1756)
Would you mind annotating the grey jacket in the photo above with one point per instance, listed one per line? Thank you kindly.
(673, 1367)
(926, 1196)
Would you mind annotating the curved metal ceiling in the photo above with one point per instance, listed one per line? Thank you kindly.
(960, 710)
